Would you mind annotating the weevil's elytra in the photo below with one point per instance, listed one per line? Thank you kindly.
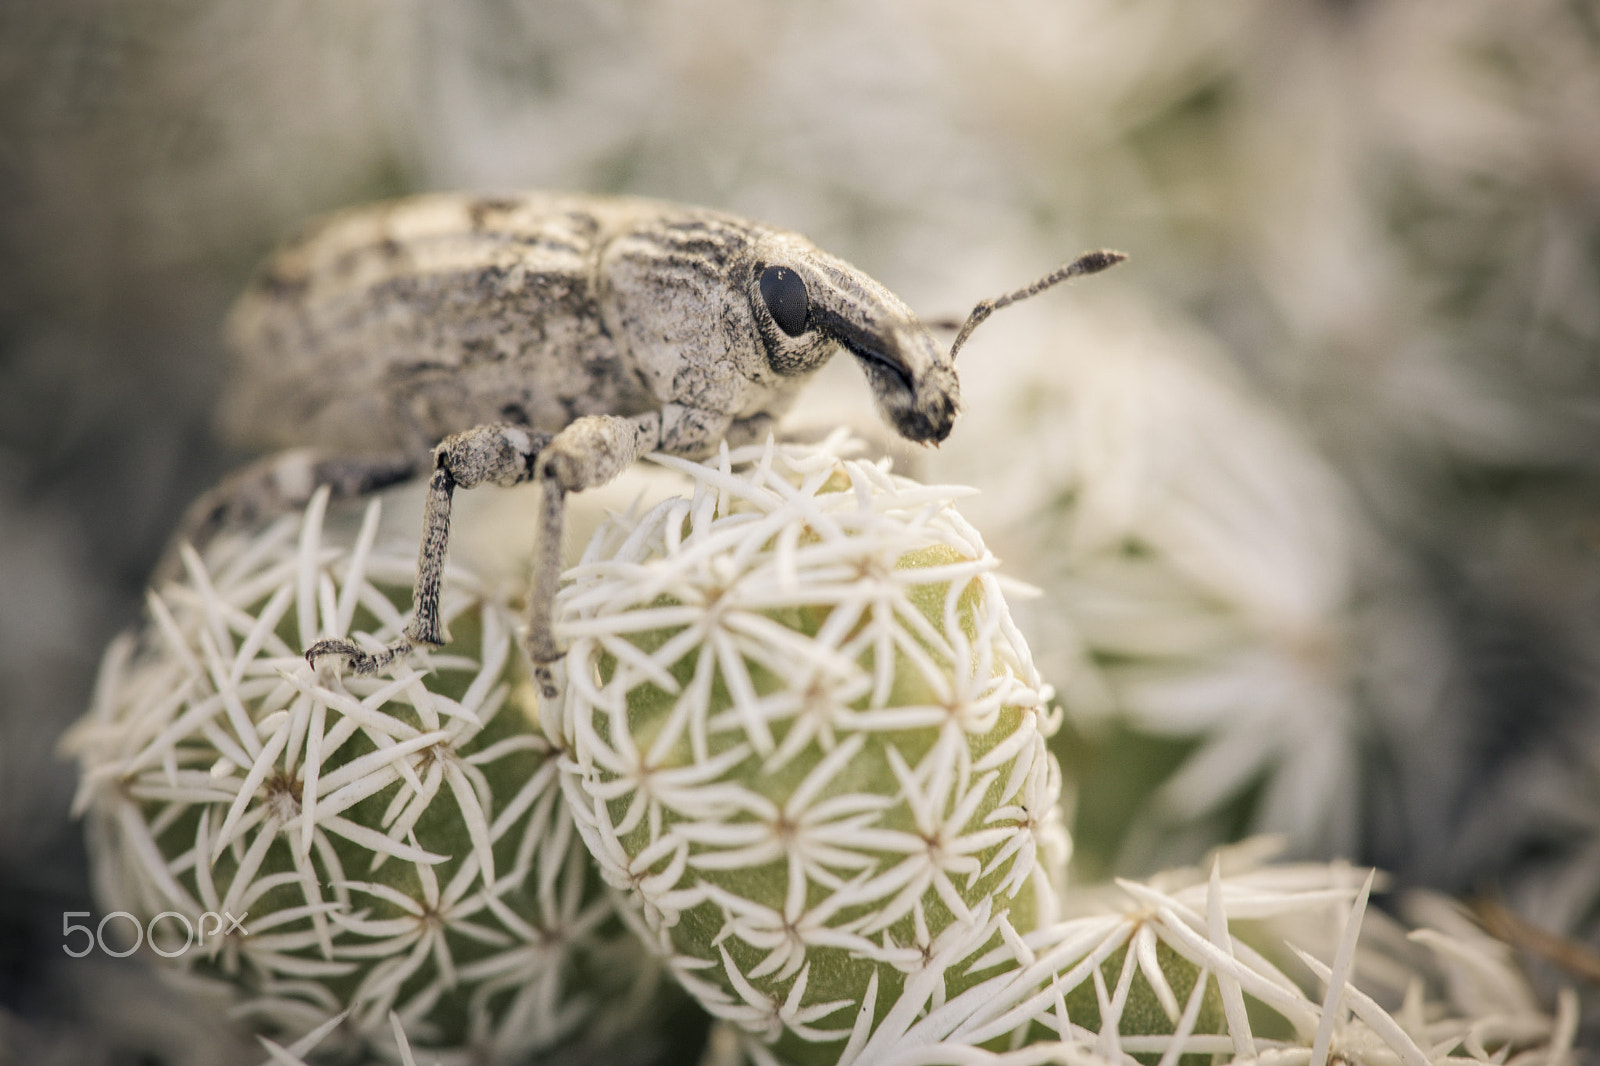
(554, 337)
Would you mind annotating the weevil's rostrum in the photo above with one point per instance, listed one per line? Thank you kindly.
(546, 337)
(390, 327)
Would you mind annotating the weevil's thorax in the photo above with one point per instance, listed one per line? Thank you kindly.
(674, 289)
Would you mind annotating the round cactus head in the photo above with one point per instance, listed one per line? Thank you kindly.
(372, 845)
(807, 741)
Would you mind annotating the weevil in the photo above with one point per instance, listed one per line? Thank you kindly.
(546, 337)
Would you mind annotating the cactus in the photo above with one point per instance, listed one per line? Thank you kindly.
(807, 741)
(388, 844)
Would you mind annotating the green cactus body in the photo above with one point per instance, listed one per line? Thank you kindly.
(388, 844)
(806, 739)
(1143, 1013)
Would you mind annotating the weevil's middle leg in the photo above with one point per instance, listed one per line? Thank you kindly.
(497, 454)
(540, 638)
(590, 452)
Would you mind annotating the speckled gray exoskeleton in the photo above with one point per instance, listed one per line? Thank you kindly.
(555, 338)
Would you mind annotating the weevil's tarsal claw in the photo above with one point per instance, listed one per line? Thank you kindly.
(357, 661)
(544, 676)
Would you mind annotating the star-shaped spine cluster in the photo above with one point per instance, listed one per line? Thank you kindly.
(390, 844)
(807, 741)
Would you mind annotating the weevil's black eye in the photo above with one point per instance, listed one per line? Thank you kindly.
(785, 296)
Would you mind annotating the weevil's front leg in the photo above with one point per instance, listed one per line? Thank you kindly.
(498, 454)
(589, 452)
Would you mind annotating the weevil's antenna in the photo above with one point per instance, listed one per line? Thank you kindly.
(1087, 263)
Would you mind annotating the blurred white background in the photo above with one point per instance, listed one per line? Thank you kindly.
(1310, 486)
